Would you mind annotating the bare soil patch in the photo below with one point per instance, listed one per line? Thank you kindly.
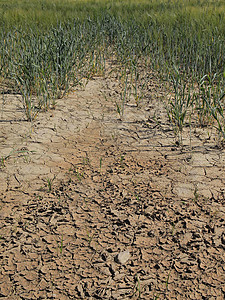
(79, 186)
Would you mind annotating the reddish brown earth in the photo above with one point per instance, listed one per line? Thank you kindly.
(79, 186)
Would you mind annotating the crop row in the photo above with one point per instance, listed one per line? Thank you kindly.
(184, 44)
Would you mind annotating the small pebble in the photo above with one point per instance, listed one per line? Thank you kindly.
(123, 257)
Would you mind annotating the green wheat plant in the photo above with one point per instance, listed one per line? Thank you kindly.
(178, 104)
(210, 103)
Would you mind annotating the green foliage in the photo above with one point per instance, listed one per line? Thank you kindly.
(179, 103)
(48, 46)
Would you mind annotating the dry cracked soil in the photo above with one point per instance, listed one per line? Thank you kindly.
(80, 185)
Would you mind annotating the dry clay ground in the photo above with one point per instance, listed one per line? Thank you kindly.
(79, 186)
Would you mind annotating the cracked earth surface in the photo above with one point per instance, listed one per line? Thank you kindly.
(79, 185)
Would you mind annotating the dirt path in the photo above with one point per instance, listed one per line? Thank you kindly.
(79, 186)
